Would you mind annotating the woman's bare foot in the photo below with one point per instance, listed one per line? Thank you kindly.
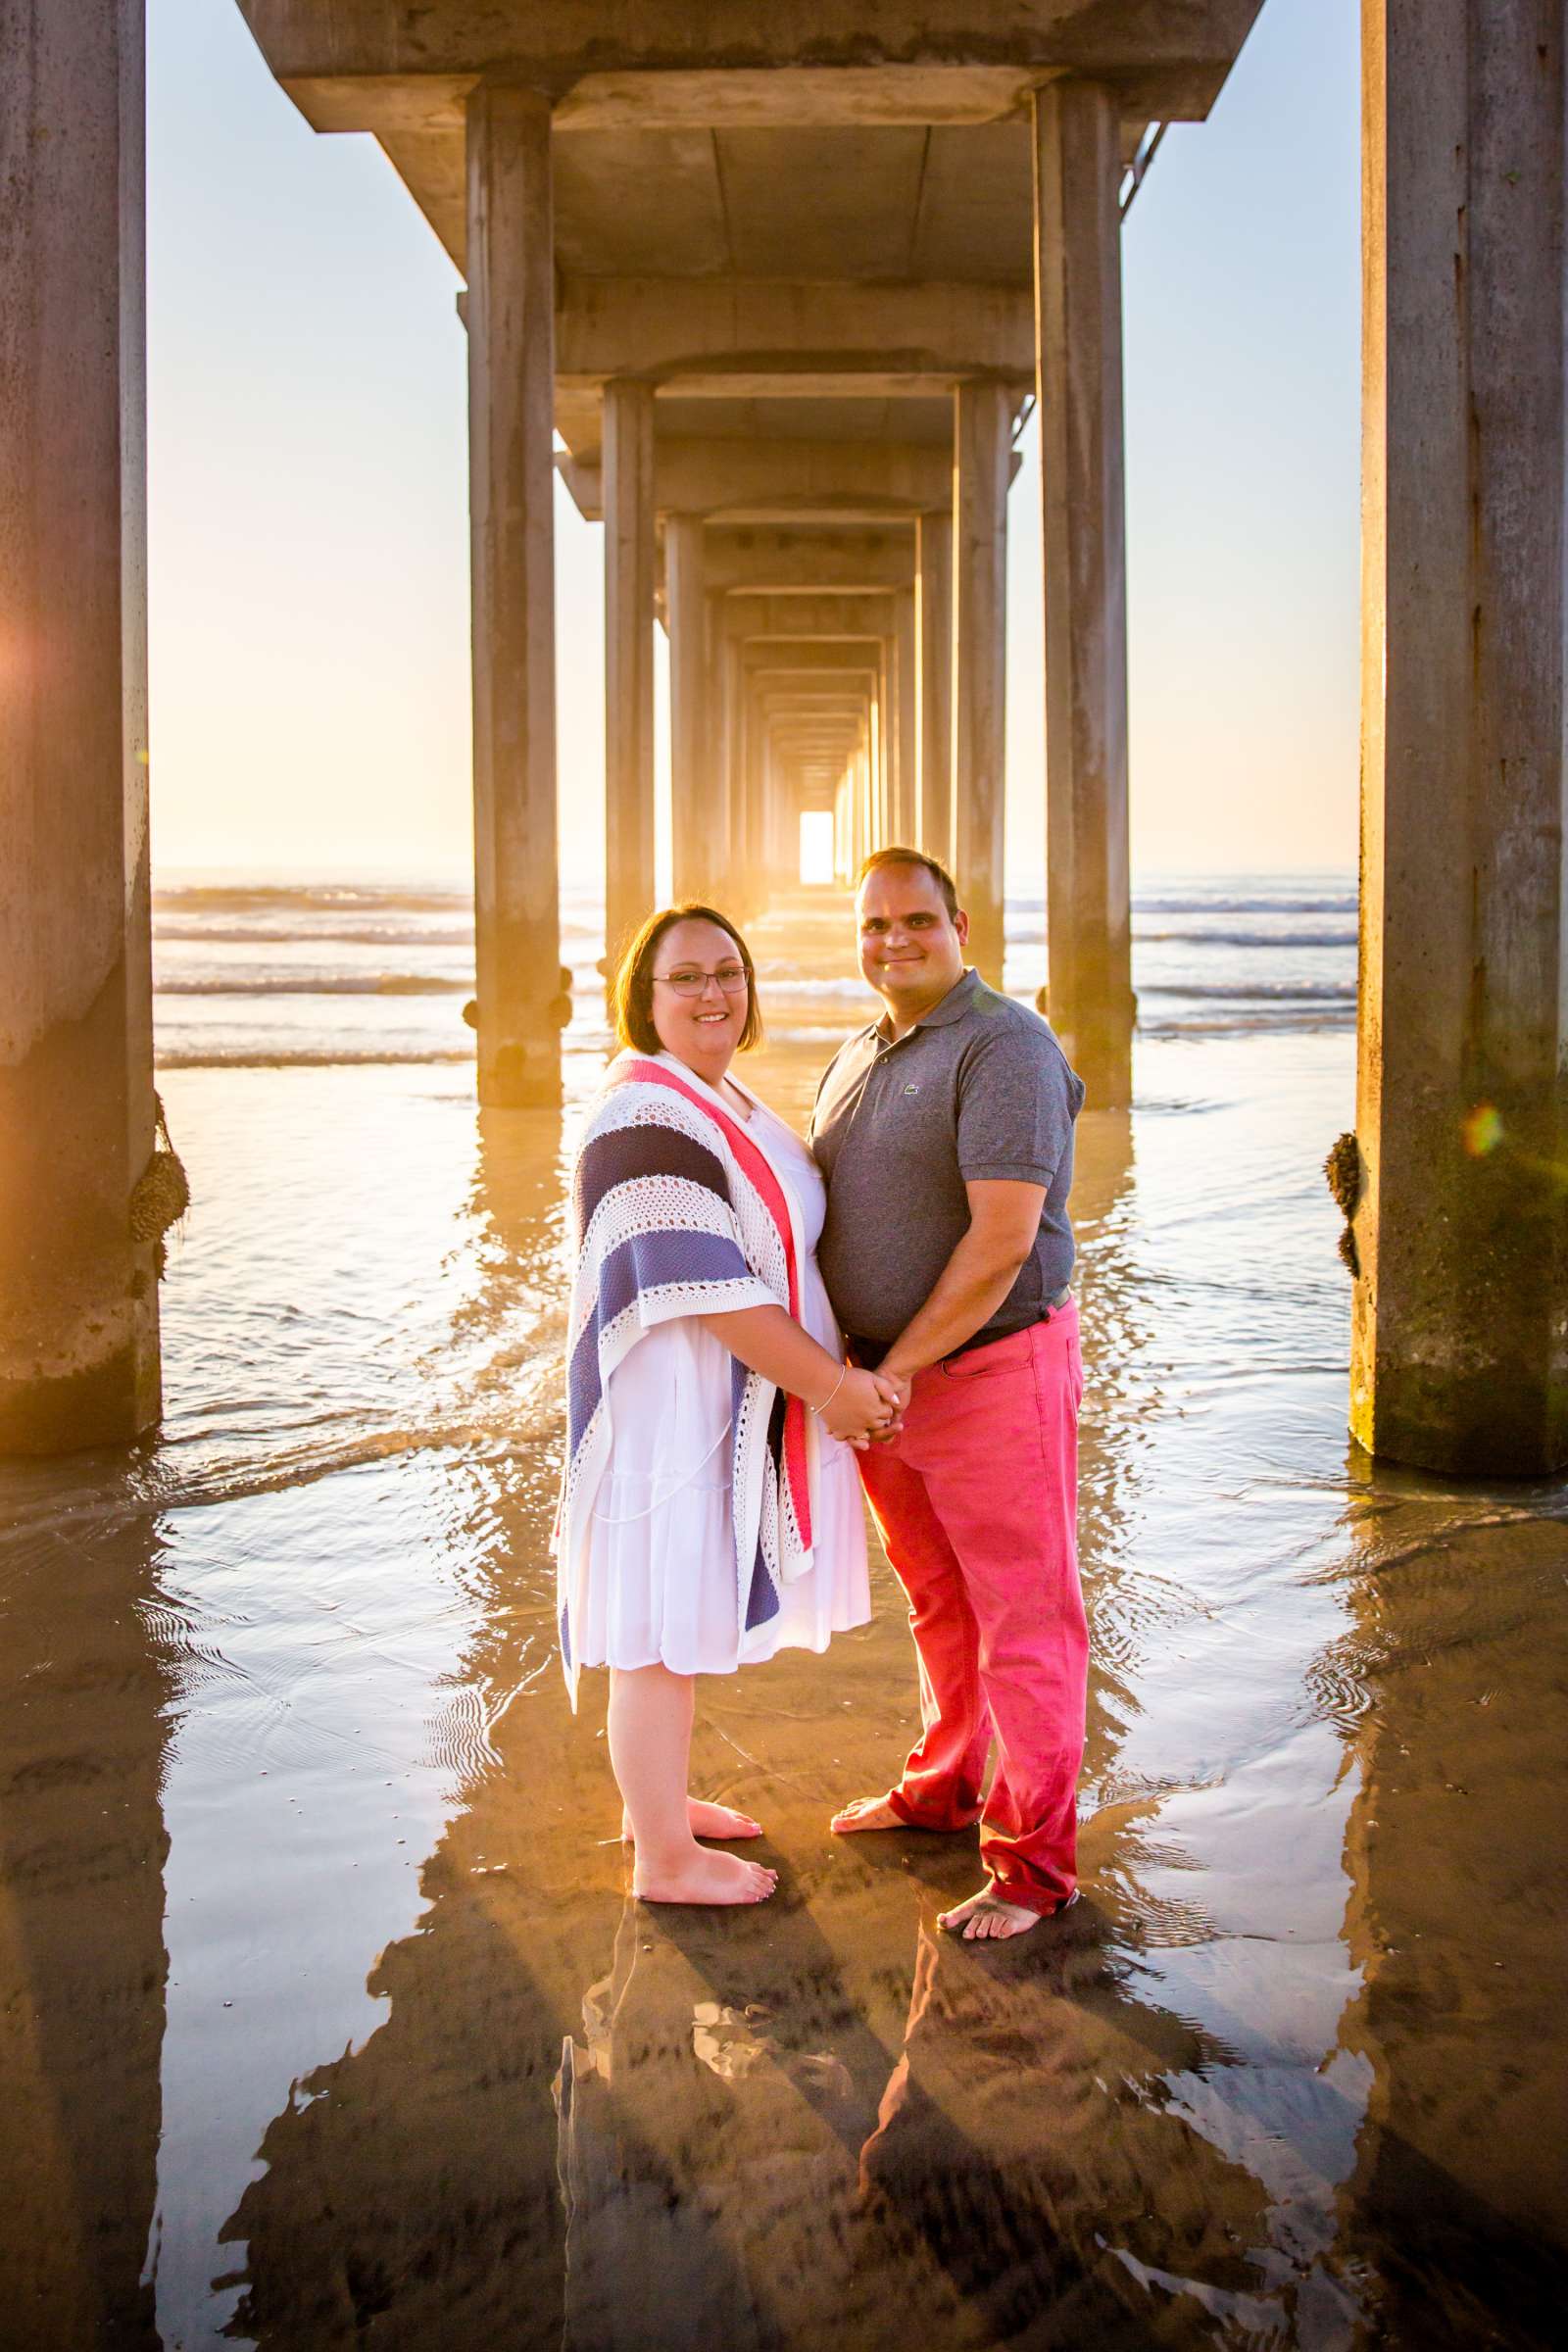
(707, 1820)
(986, 1917)
(703, 1877)
(866, 1813)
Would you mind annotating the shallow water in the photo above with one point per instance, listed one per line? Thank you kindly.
(329, 2023)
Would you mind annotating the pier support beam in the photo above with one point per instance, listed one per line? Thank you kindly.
(1460, 1334)
(933, 609)
(631, 558)
(1079, 359)
(981, 470)
(904, 815)
(699, 808)
(511, 271)
(78, 1311)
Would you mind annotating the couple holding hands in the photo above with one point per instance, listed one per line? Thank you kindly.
(762, 1326)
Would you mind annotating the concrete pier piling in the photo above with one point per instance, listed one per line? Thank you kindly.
(78, 1311)
(701, 819)
(934, 601)
(1460, 1339)
(981, 470)
(631, 564)
(510, 313)
(1077, 171)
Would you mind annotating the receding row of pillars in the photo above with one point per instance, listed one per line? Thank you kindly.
(934, 767)
(1458, 1180)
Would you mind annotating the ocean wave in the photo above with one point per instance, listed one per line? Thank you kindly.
(321, 984)
(301, 1057)
(1280, 941)
(333, 896)
(1198, 903)
(1256, 992)
(271, 935)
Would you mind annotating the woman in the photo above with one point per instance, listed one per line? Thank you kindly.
(709, 1513)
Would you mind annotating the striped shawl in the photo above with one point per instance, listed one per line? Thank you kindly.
(677, 1210)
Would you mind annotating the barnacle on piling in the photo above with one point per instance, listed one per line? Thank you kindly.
(1343, 1168)
(161, 1194)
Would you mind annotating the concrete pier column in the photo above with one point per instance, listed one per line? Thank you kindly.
(1079, 371)
(934, 616)
(741, 875)
(903, 815)
(78, 1311)
(755, 826)
(1460, 1334)
(511, 313)
(699, 812)
(982, 464)
(631, 558)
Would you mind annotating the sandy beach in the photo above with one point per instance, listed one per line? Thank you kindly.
(327, 2019)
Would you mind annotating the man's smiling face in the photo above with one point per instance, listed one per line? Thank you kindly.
(911, 949)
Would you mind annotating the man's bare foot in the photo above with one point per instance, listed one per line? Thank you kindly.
(986, 1917)
(707, 1820)
(703, 1877)
(866, 1813)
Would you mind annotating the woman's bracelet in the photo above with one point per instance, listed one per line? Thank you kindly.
(834, 1389)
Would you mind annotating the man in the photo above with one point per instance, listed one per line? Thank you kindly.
(945, 1133)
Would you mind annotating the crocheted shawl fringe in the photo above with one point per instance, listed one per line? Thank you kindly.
(677, 1210)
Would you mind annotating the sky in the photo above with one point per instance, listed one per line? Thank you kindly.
(307, 489)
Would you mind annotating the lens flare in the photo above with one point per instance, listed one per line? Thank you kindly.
(1482, 1130)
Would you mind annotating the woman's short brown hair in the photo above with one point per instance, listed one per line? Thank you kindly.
(631, 999)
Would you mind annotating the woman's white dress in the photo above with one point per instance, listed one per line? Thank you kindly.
(661, 1577)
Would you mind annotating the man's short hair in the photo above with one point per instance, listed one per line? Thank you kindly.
(893, 855)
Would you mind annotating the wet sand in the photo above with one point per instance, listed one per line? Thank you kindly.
(327, 2017)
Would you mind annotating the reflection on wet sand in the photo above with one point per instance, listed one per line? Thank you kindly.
(1459, 1915)
(84, 1693)
(755, 2152)
(1292, 2074)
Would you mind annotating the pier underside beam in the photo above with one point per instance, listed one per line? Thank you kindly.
(1078, 294)
(79, 1309)
(809, 560)
(511, 428)
(757, 338)
(782, 481)
(1461, 1334)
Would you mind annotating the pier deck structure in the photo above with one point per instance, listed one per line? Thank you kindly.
(774, 289)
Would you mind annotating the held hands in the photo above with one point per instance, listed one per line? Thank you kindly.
(862, 1406)
(898, 1384)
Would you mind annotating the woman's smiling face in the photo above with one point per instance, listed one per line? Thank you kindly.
(703, 1031)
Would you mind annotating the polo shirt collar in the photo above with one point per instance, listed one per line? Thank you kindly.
(953, 1007)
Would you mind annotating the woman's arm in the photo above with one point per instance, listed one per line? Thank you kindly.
(773, 1343)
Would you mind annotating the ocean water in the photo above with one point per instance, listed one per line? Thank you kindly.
(337, 972)
(327, 2021)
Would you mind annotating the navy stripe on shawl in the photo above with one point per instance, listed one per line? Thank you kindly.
(646, 1262)
(627, 1153)
(762, 1600)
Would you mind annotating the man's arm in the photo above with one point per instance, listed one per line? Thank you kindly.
(1003, 1222)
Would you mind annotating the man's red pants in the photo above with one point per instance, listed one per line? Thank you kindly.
(977, 1503)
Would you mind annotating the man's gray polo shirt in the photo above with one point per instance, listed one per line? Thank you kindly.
(979, 1088)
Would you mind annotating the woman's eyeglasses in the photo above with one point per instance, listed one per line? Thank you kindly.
(688, 981)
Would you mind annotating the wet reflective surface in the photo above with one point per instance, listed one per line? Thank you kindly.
(327, 2019)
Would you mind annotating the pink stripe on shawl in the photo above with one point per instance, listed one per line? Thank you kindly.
(759, 1168)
